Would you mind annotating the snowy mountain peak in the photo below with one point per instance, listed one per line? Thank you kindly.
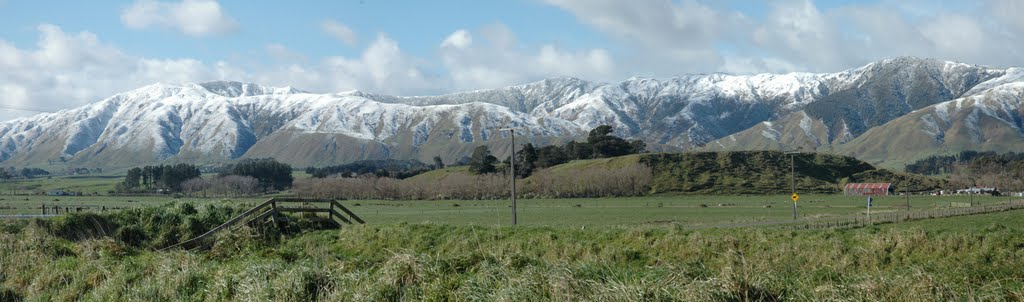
(224, 120)
(237, 89)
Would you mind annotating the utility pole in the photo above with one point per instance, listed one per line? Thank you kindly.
(792, 181)
(906, 191)
(513, 174)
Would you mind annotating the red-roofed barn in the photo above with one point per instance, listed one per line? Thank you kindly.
(865, 189)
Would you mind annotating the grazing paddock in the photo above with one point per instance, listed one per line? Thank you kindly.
(685, 210)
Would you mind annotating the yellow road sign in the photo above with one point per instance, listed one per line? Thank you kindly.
(795, 197)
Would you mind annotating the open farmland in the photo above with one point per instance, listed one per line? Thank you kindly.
(679, 242)
(684, 210)
(961, 258)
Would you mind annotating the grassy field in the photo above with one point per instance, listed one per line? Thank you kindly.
(30, 204)
(961, 258)
(658, 248)
(686, 210)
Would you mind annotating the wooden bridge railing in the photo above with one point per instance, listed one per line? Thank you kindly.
(270, 209)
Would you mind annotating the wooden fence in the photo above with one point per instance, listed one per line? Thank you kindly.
(857, 221)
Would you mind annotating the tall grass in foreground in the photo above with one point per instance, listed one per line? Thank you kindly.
(440, 262)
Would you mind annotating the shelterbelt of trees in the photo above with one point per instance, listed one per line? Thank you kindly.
(599, 144)
(246, 177)
(26, 173)
(971, 168)
(741, 172)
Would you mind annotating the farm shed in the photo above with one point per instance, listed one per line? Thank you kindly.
(865, 189)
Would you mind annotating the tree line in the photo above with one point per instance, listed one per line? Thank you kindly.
(971, 168)
(248, 176)
(629, 180)
(27, 173)
(947, 164)
(400, 169)
(599, 144)
(159, 177)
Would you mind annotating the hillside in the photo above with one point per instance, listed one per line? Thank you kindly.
(739, 172)
(992, 120)
(765, 172)
(890, 96)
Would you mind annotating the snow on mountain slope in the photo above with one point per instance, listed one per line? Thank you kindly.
(218, 121)
(992, 120)
(867, 97)
(161, 121)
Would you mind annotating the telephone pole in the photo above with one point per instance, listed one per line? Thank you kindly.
(513, 173)
(792, 179)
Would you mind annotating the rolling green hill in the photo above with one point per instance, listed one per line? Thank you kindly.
(740, 172)
(764, 172)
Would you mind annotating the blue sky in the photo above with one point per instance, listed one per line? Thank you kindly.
(418, 25)
(63, 54)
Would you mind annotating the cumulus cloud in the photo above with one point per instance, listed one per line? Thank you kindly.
(460, 39)
(501, 61)
(192, 17)
(798, 35)
(661, 34)
(339, 31)
(381, 68)
(67, 70)
(658, 38)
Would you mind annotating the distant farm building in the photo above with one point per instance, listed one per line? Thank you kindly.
(865, 189)
(979, 190)
(58, 192)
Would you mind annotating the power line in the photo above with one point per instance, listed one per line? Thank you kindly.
(26, 108)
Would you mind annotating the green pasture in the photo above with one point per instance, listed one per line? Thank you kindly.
(92, 184)
(684, 210)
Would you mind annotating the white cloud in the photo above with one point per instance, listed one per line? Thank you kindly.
(658, 38)
(458, 39)
(662, 35)
(192, 17)
(502, 61)
(1009, 12)
(381, 68)
(67, 70)
(339, 31)
(685, 36)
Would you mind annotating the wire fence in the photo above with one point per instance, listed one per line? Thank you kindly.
(861, 220)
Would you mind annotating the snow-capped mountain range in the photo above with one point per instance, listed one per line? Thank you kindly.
(221, 121)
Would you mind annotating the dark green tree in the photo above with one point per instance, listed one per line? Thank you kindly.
(606, 145)
(526, 160)
(548, 156)
(576, 150)
(611, 147)
(482, 161)
(599, 133)
(268, 171)
(131, 180)
(175, 175)
(147, 176)
(438, 163)
(637, 146)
